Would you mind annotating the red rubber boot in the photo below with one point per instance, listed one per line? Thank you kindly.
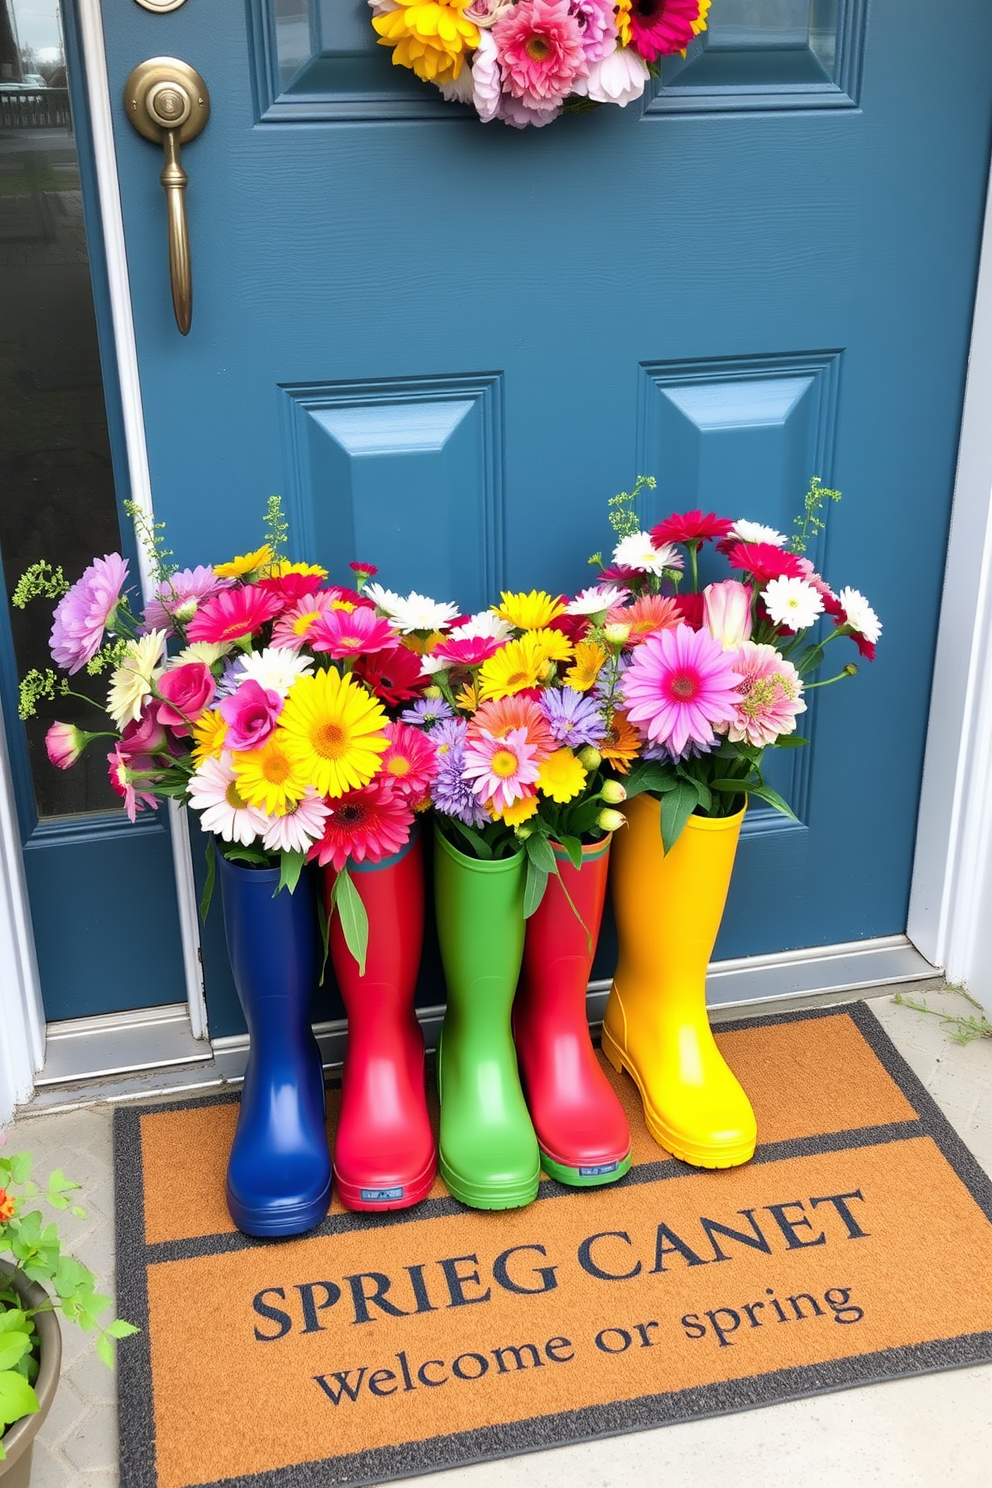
(384, 1153)
(581, 1128)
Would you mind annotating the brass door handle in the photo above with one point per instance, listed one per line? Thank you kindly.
(168, 103)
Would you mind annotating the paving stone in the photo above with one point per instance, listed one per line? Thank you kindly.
(93, 1446)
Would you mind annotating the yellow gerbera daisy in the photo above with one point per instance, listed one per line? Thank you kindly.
(530, 611)
(421, 646)
(517, 812)
(623, 21)
(209, 731)
(561, 776)
(468, 699)
(589, 659)
(245, 563)
(517, 665)
(283, 567)
(429, 36)
(552, 644)
(270, 777)
(336, 729)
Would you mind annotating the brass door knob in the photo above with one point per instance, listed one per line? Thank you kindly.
(167, 102)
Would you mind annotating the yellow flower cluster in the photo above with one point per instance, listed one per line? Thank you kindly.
(430, 37)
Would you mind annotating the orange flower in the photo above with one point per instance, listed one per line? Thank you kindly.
(649, 613)
(6, 1205)
(589, 659)
(622, 744)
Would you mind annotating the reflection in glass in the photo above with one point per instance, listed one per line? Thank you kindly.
(56, 478)
(294, 43)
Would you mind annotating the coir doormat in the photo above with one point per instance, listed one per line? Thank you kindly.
(856, 1246)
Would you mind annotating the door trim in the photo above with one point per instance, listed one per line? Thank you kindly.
(22, 1018)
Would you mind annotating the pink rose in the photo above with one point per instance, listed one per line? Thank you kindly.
(250, 714)
(187, 690)
(147, 736)
(64, 743)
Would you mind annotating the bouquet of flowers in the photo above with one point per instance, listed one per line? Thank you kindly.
(257, 693)
(721, 674)
(523, 61)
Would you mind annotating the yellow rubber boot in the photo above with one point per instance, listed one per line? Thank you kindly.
(668, 911)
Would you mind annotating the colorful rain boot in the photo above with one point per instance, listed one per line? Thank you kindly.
(384, 1153)
(668, 910)
(488, 1151)
(581, 1128)
(279, 1173)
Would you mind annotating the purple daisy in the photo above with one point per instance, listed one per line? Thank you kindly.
(451, 793)
(427, 712)
(179, 597)
(86, 611)
(573, 717)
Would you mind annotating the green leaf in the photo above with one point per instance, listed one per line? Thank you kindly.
(290, 868)
(649, 776)
(105, 1350)
(535, 884)
(249, 855)
(478, 844)
(573, 847)
(765, 793)
(790, 741)
(120, 1329)
(354, 920)
(17, 1398)
(210, 880)
(676, 808)
(324, 921)
(540, 853)
(12, 1347)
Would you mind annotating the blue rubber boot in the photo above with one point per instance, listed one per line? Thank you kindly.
(279, 1173)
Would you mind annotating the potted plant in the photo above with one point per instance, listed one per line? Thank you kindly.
(38, 1281)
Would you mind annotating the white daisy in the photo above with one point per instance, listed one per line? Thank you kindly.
(213, 791)
(209, 652)
(638, 552)
(860, 615)
(792, 602)
(429, 665)
(485, 623)
(754, 532)
(131, 682)
(597, 600)
(275, 668)
(415, 612)
(301, 826)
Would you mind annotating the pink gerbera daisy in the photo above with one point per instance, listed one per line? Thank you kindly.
(470, 651)
(679, 685)
(358, 632)
(368, 824)
(499, 769)
(660, 28)
(233, 614)
(541, 53)
(770, 696)
(646, 615)
(410, 762)
(292, 630)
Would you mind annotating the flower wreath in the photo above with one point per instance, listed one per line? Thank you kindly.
(523, 61)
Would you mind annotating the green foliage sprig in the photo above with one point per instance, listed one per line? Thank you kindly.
(276, 529)
(40, 581)
(809, 524)
(151, 536)
(35, 1249)
(622, 514)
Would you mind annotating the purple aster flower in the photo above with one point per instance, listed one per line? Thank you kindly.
(664, 756)
(86, 611)
(451, 793)
(573, 717)
(229, 681)
(179, 597)
(426, 712)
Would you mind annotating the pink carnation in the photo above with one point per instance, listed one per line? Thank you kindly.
(770, 696)
(541, 54)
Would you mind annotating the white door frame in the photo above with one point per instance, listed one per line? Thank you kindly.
(953, 863)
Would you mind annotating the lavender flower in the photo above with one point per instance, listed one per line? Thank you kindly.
(426, 712)
(86, 611)
(179, 597)
(451, 793)
(573, 717)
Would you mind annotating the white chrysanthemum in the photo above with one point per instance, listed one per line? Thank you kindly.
(638, 552)
(487, 82)
(415, 612)
(430, 665)
(275, 668)
(131, 682)
(618, 78)
(213, 791)
(754, 532)
(597, 600)
(792, 602)
(485, 623)
(209, 652)
(860, 615)
(302, 824)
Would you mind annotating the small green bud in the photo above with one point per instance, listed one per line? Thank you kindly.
(590, 758)
(613, 792)
(433, 692)
(522, 833)
(609, 820)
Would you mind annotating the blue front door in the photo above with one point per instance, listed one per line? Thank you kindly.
(446, 344)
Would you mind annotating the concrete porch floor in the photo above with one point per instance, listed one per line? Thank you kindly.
(918, 1433)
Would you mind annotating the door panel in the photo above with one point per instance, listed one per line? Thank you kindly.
(447, 344)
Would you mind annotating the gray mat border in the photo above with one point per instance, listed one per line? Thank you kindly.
(537, 1433)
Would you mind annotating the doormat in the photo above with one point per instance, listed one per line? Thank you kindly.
(855, 1246)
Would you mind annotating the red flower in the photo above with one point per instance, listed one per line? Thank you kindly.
(575, 627)
(232, 614)
(766, 562)
(690, 607)
(368, 569)
(291, 587)
(367, 824)
(690, 527)
(393, 675)
(660, 28)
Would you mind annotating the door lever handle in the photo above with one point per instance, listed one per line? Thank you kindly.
(167, 102)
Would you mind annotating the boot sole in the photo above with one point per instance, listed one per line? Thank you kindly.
(360, 1198)
(295, 1221)
(696, 1155)
(475, 1196)
(581, 1175)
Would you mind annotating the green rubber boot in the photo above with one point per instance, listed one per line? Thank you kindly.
(488, 1152)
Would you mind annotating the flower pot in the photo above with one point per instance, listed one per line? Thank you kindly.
(18, 1440)
(488, 1151)
(279, 1173)
(668, 910)
(384, 1153)
(580, 1125)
